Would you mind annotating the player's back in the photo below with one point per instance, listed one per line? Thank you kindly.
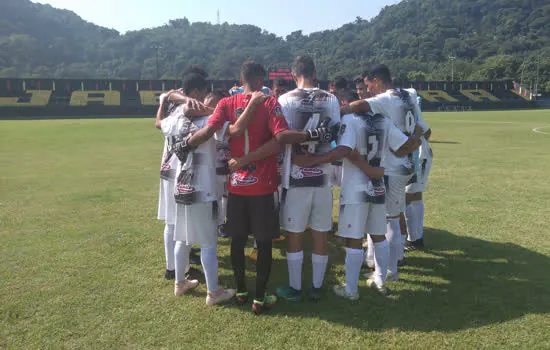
(398, 105)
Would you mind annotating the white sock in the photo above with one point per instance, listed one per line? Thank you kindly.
(354, 260)
(255, 245)
(381, 261)
(420, 216)
(209, 262)
(393, 235)
(295, 261)
(182, 260)
(222, 210)
(370, 250)
(169, 246)
(319, 263)
(411, 219)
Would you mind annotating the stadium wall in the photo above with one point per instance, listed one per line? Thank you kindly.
(80, 98)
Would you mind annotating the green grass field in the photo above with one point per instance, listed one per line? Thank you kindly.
(81, 253)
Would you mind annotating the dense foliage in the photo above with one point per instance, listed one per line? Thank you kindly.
(491, 39)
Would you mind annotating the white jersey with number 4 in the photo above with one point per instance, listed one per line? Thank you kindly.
(372, 136)
(402, 108)
(303, 109)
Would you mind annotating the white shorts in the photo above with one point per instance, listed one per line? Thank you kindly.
(197, 224)
(335, 175)
(167, 203)
(303, 206)
(422, 177)
(357, 219)
(395, 194)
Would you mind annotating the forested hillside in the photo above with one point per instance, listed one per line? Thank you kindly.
(491, 39)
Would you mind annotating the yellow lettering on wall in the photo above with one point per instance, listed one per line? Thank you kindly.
(479, 95)
(105, 98)
(150, 98)
(38, 98)
(436, 96)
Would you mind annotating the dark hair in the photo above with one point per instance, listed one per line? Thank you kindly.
(303, 66)
(281, 83)
(348, 96)
(194, 81)
(360, 79)
(339, 83)
(194, 68)
(380, 72)
(251, 70)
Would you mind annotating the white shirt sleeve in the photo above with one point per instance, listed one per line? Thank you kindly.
(170, 126)
(220, 134)
(396, 138)
(347, 137)
(335, 111)
(284, 108)
(378, 104)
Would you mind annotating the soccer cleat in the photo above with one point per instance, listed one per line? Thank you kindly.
(380, 289)
(289, 294)
(414, 245)
(259, 306)
(182, 287)
(241, 298)
(340, 290)
(315, 294)
(170, 274)
(254, 254)
(219, 296)
(194, 259)
(221, 231)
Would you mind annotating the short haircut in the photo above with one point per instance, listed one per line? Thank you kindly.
(360, 79)
(349, 96)
(380, 72)
(303, 66)
(339, 83)
(193, 68)
(252, 70)
(194, 81)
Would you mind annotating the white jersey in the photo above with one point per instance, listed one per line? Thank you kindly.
(304, 108)
(169, 161)
(401, 106)
(372, 136)
(196, 179)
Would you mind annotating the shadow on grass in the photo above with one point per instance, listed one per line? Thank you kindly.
(459, 283)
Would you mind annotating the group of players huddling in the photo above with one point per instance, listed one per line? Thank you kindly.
(261, 160)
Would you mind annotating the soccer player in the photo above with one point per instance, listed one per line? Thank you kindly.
(337, 86)
(414, 215)
(401, 107)
(252, 203)
(280, 87)
(360, 87)
(307, 193)
(167, 204)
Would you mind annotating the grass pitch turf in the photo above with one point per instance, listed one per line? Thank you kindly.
(81, 252)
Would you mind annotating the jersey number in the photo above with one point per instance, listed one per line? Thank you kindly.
(410, 122)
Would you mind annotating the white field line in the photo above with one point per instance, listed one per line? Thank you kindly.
(537, 130)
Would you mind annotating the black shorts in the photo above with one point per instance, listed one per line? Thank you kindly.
(253, 215)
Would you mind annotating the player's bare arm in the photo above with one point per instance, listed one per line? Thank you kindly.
(194, 109)
(268, 149)
(244, 120)
(356, 107)
(428, 134)
(412, 144)
(308, 159)
(363, 164)
(161, 113)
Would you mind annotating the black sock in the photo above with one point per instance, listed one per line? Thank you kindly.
(238, 262)
(263, 267)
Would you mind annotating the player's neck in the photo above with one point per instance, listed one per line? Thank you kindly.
(247, 89)
(305, 83)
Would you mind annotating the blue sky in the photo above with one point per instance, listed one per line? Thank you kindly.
(280, 17)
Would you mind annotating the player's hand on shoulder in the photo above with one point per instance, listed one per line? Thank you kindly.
(257, 98)
(235, 164)
(194, 108)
